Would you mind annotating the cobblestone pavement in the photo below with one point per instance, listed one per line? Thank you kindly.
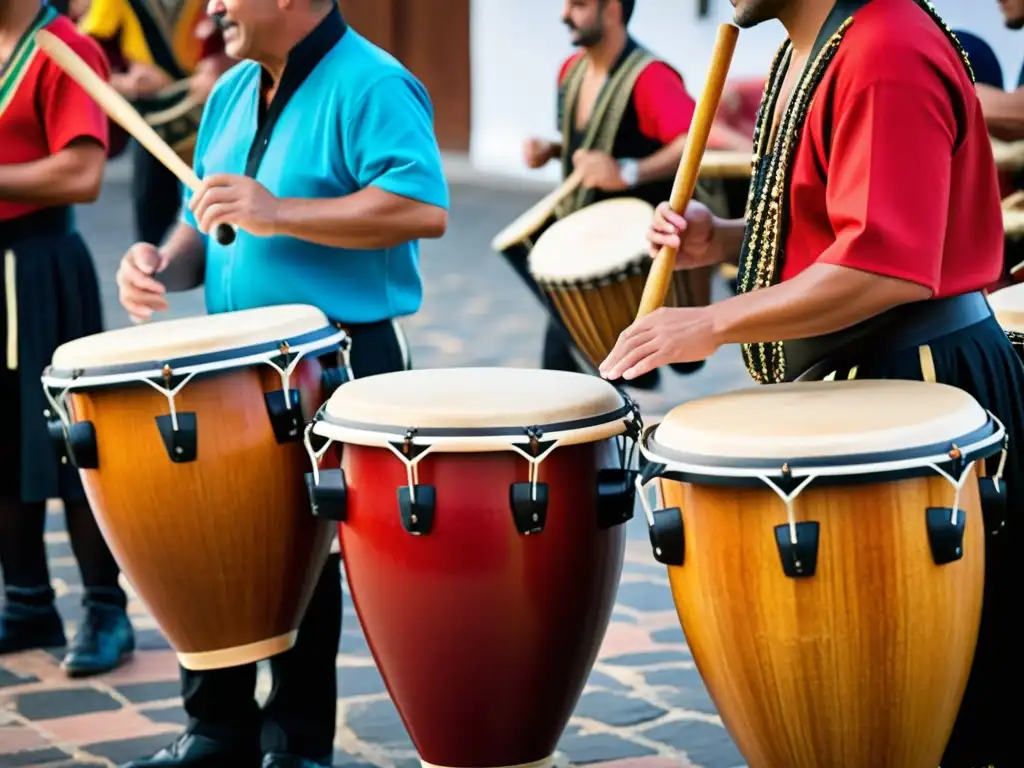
(644, 705)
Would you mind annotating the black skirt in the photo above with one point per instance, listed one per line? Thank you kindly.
(51, 296)
(981, 360)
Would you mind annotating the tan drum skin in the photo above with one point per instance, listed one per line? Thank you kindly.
(864, 663)
(223, 550)
(593, 266)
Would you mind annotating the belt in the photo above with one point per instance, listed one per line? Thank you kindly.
(42, 223)
(903, 327)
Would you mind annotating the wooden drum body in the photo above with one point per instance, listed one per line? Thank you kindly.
(193, 463)
(593, 265)
(827, 572)
(484, 596)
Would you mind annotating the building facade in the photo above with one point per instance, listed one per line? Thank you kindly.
(491, 65)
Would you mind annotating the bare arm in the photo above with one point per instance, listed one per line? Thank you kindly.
(824, 298)
(71, 176)
(368, 219)
(1004, 112)
(663, 163)
(183, 259)
(729, 239)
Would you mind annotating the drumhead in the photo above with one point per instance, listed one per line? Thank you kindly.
(191, 343)
(473, 408)
(1008, 307)
(828, 427)
(597, 241)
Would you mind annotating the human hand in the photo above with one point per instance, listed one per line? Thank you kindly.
(667, 335)
(537, 152)
(691, 234)
(141, 80)
(226, 198)
(598, 170)
(139, 293)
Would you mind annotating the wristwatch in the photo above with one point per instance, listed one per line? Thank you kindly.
(629, 170)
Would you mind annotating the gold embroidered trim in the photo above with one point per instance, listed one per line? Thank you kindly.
(762, 254)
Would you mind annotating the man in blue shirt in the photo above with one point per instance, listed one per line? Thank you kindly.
(320, 148)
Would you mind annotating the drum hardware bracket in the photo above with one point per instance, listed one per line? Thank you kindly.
(616, 496)
(797, 542)
(328, 493)
(179, 431)
(946, 524)
(529, 499)
(665, 527)
(76, 442)
(993, 495)
(284, 406)
(333, 377)
(416, 503)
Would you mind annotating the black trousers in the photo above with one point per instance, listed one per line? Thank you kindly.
(299, 715)
(156, 196)
(980, 360)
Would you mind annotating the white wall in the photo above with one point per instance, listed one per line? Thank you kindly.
(518, 45)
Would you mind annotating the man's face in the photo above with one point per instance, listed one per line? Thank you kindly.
(750, 13)
(1013, 13)
(246, 24)
(585, 20)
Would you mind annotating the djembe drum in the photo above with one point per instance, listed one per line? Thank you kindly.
(188, 438)
(825, 551)
(481, 516)
(592, 266)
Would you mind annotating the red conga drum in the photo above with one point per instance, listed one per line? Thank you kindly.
(481, 526)
(188, 436)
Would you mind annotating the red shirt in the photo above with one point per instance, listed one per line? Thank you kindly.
(49, 110)
(663, 107)
(894, 172)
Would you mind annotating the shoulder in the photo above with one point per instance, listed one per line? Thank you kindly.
(225, 90)
(358, 70)
(567, 65)
(87, 48)
(658, 74)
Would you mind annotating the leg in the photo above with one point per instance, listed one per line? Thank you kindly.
(156, 196)
(105, 637)
(299, 716)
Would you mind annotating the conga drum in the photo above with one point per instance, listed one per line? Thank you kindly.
(188, 437)
(825, 551)
(481, 526)
(593, 264)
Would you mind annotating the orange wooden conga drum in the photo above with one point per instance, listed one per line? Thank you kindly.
(482, 530)
(188, 438)
(825, 551)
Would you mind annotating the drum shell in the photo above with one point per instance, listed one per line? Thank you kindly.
(222, 550)
(596, 311)
(863, 664)
(485, 637)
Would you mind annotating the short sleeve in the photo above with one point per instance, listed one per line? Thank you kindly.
(664, 108)
(69, 112)
(889, 173)
(391, 142)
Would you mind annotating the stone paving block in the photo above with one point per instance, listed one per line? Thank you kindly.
(19, 738)
(150, 640)
(645, 596)
(36, 758)
(142, 693)
(122, 751)
(597, 747)
(682, 688)
(669, 635)
(378, 723)
(605, 681)
(616, 709)
(705, 744)
(359, 681)
(353, 643)
(101, 727)
(9, 679)
(648, 658)
(166, 715)
(64, 702)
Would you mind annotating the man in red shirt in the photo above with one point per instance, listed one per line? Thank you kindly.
(873, 229)
(623, 115)
(53, 144)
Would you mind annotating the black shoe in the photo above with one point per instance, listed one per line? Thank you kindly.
(104, 640)
(291, 761)
(191, 750)
(26, 626)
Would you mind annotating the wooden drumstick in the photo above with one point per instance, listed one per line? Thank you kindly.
(660, 276)
(124, 114)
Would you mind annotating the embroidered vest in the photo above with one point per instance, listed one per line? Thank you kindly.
(762, 254)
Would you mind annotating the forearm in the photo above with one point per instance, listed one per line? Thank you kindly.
(368, 219)
(822, 299)
(662, 164)
(185, 255)
(729, 239)
(1004, 112)
(72, 176)
(726, 137)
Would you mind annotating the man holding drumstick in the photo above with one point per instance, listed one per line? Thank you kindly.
(889, 214)
(314, 109)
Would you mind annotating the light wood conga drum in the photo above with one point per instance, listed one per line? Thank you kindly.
(593, 264)
(188, 438)
(482, 535)
(825, 551)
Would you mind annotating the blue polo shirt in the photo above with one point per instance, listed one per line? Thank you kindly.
(347, 115)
